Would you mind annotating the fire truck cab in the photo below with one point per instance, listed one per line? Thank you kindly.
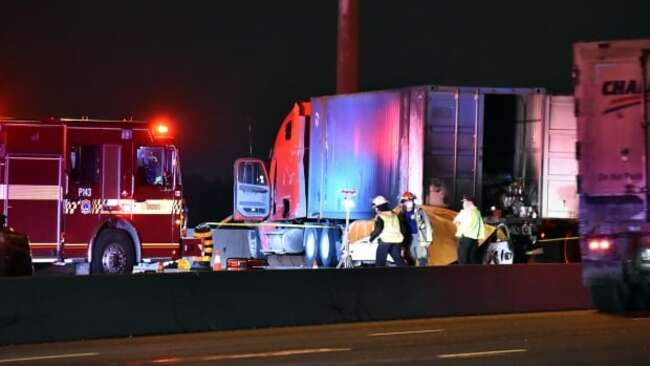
(99, 191)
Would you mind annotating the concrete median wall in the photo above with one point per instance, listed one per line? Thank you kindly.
(71, 308)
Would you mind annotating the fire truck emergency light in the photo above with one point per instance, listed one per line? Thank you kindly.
(160, 128)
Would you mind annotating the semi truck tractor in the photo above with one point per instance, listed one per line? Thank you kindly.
(512, 148)
(611, 94)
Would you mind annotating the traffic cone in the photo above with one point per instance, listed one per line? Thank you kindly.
(216, 266)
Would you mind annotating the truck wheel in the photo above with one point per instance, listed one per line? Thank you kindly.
(311, 243)
(613, 297)
(329, 254)
(112, 253)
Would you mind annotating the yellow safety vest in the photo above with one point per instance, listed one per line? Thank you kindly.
(392, 234)
(471, 224)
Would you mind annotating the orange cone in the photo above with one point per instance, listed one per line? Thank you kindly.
(216, 266)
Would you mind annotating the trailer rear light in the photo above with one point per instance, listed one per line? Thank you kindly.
(599, 245)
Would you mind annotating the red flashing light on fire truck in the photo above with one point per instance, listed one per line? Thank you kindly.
(161, 128)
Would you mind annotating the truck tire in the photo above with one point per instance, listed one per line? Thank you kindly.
(113, 253)
(329, 246)
(612, 297)
(311, 243)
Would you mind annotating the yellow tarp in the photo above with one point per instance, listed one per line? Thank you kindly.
(443, 248)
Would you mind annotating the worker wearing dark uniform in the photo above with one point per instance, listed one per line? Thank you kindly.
(470, 229)
(419, 232)
(388, 234)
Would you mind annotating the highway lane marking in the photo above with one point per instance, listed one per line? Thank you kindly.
(484, 353)
(49, 357)
(293, 352)
(423, 331)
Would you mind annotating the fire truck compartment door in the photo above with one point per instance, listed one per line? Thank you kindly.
(111, 172)
(33, 201)
(252, 191)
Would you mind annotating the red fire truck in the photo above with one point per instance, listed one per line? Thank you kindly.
(99, 191)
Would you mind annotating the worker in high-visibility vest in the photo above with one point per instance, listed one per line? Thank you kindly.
(387, 232)
(470, 229)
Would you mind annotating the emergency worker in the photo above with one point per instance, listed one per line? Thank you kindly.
(151, 169)
(387, 232)
(470, 229)
(417, 226)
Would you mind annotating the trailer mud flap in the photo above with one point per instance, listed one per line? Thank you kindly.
(594, 272)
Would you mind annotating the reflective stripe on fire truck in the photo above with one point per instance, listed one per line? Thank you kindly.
(148, 207)
(30, 192)
(151, 207)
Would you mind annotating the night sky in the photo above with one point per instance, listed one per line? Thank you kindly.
(215, 67)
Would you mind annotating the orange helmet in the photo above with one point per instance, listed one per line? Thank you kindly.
(407, 196)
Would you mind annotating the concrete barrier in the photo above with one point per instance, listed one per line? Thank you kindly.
(71, 308)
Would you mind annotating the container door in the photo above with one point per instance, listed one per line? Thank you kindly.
(33, 193)
(111, 172)
(529, 140)
(452, 164)
(83, 197)
(613, 109)
(560, 167)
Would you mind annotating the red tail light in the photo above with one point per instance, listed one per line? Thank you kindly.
(599, 245)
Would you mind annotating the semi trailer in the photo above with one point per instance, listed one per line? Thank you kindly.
(512, 148)
(611, 96)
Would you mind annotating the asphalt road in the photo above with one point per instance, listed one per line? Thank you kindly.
(560, 338)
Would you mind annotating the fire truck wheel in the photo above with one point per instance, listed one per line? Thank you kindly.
(328, 247)
(113, 253)
(311, 243)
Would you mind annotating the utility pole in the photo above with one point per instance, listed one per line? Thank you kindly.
(347, 55)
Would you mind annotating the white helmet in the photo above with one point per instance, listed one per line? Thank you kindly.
(379, 200)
